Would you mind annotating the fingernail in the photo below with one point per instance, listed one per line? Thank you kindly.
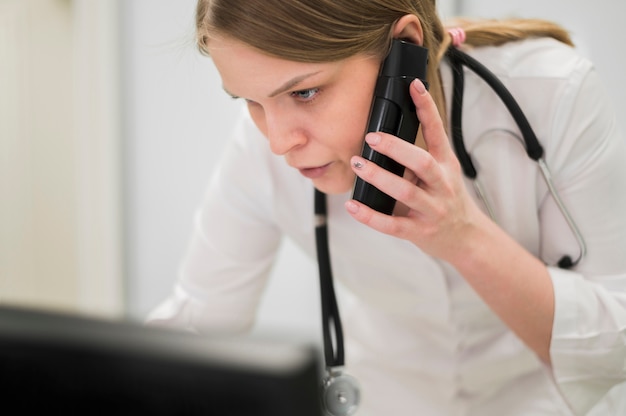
(352, 207)
(357, 163)
(372, 139)
(419, 86)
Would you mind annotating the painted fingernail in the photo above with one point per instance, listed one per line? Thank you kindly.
(372, 139)
(358, 162)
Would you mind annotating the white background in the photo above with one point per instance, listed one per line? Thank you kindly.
(177, 118)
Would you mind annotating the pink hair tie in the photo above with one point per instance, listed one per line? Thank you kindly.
(458, 36)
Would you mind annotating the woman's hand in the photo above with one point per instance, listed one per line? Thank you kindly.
(440, 215)
(442, 219)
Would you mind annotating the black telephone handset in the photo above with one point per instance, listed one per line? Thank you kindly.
(392, 112)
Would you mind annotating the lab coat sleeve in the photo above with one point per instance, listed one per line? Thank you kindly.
(233, 244)
(588, 347)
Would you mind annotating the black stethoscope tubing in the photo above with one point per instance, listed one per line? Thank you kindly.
(458, 59)
(535, 151)
(331, 325)
(340, 391)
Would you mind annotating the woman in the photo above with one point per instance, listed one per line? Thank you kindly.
(453, 312)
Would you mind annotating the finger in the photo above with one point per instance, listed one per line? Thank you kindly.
(395, 226)
(414, 158)
(430, 120)
(397, 187)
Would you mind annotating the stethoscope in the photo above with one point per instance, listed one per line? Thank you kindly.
(340, 391)
(534, 150)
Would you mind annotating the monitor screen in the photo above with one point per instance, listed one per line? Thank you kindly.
(52, 362)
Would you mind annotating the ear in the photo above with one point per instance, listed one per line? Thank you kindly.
(409, 27)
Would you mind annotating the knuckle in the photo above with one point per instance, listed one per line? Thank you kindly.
(407, 192)
(426, 163)
(395, 228)
(440, 211)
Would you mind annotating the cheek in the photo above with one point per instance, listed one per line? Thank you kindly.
(354, 140)
(353, 120)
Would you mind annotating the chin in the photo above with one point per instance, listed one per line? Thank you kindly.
(334, 187)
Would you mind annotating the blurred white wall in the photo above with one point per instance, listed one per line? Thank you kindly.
(60, 244)
(596, 28)
(178, 118)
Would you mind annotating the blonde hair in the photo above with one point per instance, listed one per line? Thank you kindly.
(497, 32)
(331, 30)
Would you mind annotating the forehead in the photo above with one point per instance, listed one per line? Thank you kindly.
(240, 64)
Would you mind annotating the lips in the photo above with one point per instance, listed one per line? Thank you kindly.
(314, 172)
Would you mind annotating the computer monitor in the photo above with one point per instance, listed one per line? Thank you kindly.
(52, 363)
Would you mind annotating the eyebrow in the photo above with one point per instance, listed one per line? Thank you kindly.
(285, 87)
(292, 83)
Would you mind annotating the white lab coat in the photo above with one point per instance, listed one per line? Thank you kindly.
(418, 338)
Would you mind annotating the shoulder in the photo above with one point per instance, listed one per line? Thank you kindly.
(552, 83)
(545, 76)
(533, 58)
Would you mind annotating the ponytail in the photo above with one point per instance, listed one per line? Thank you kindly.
(497, 32)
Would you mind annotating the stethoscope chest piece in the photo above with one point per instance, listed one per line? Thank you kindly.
(340, 394)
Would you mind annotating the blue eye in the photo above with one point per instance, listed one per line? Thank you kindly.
(306, 95)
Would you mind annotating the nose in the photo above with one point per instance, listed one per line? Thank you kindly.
(284, 132)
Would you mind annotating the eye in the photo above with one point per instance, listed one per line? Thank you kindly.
(306, 95)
